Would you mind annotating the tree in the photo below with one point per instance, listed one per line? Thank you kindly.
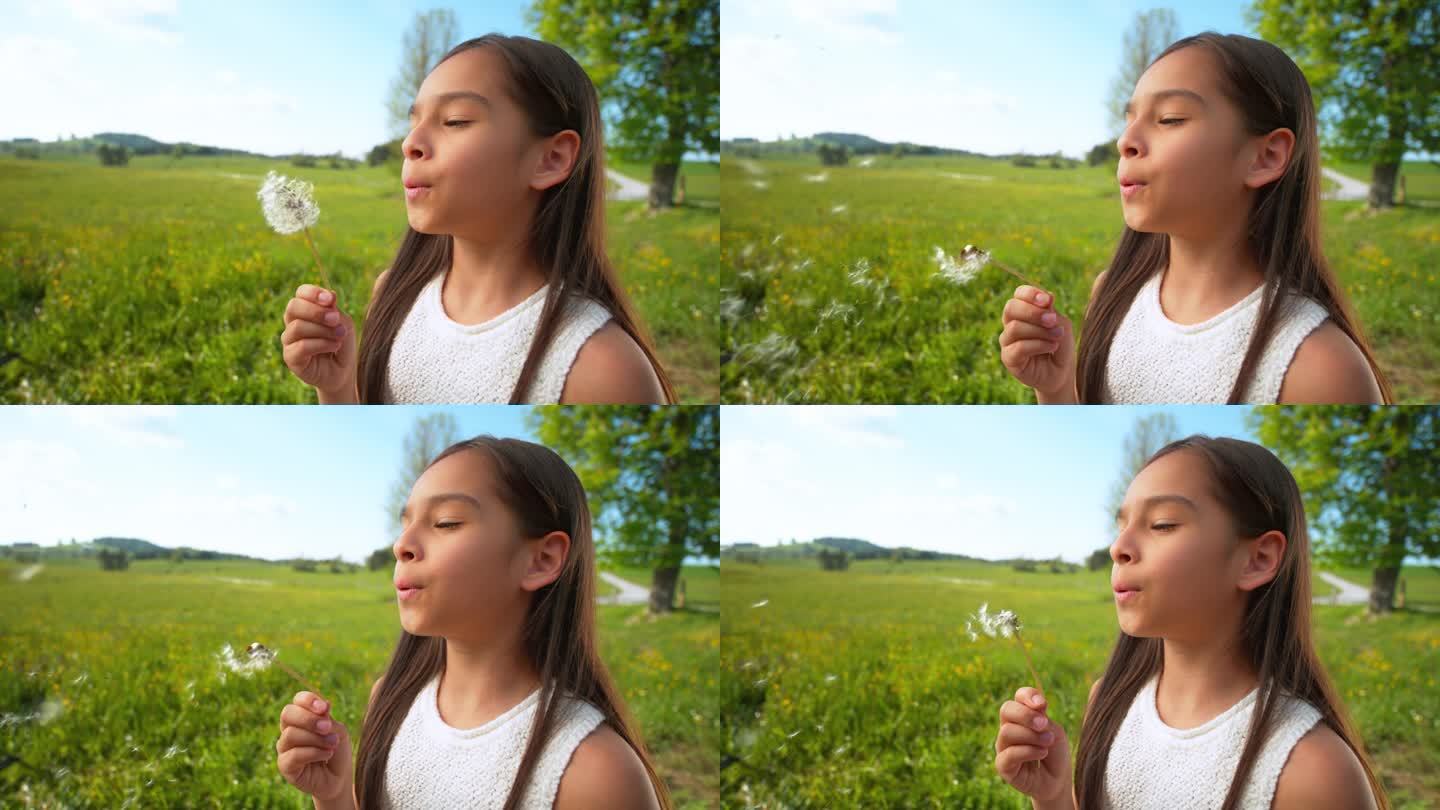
(1148, 434)
(653, 478)
(380, 558)
(1374, 72)
(1369, 477)
(1150, 33)
(382, 152)
(655, 66)
(428, 436)
(432, 34)
(1102, 153)
(113, 155)
(831, 155)
(1099, 558)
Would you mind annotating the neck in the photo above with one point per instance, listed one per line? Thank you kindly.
(487, 278)
(1200, 679)
(482, 679)
(1209, 272)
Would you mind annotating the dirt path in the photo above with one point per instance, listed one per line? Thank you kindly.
(1349, 593)
(630, 188)
(630, 593)
(1350, 188)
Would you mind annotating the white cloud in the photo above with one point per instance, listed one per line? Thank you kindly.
(850, 426)
(149, 426)
(853, 22)
(145, 21)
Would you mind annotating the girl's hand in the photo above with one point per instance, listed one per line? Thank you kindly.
(1038, 345)
(319, 343)
(314, 750)
(1031, 752)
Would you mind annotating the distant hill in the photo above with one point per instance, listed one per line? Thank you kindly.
(137, 144)
(858, 549)
(138, 549)
(857, 143)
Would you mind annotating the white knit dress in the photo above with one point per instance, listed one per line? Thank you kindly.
(1152, 765)
(433, 765)
(1155, 360)
(436, 360)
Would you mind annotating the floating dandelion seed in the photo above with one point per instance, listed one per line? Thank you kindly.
(761, 603)
(839, 209)
(1003, 624)
(289, 206)
(816, 178)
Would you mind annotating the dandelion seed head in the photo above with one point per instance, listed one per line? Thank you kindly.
(289, 204)
(961, 272)
(243, 665)
(1001, 624)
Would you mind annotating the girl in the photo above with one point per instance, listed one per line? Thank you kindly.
(1219, 290)
(501, 290)
(495, 696)
(1214, 696)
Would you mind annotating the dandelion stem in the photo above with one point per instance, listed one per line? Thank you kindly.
(1012, 271)
(323, 277)
(1028, 662)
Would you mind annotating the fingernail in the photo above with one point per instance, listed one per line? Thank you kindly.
(319, 705)
(323, 726)
(339, 330)
(326, 297)
(1038, 700)
(1047, 738)
(1048, 319)
(334, 738)
(1057, 331)
(1039, 723)
(332, 318)
(1042, 299)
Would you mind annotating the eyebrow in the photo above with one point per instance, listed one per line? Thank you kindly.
(1154, 499)
(1161, 95)
(441, 98)
(441, 498)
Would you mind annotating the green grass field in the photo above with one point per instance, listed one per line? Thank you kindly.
(161, 282)
(829, 289)
(127, 660)
(861, 688)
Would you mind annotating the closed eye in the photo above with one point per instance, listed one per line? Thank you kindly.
(1171, 121)
(1163, 527)
(456, 123)
(447, 524)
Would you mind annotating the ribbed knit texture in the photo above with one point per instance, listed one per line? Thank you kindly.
(1153, 766)
(433, 765)
(436, 360)
(1155, 360)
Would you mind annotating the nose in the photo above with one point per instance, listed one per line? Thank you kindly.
(1128, 144)
(1122, 551)
(412, 147)
(405, 549)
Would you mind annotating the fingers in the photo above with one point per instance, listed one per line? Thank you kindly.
(1012, 734)
(303, 309)
(316, 295)
(1022, 310)
(297, 354)
(1023, 716)
(1034, 295)
(1009, 760)
(297, 737)
(299, 330)
(1014, 355)
(294, 760)
(1016, 331)
(1030, 696)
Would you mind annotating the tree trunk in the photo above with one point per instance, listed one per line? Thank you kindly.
(1382, 184)
(662, 589)
(1382, 589)
(662, 184)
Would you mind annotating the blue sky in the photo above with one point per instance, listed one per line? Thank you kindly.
(264, 76)
(272, 482)
(994, 482)
(984, 76)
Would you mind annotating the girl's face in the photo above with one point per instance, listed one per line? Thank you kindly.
(1184, 147)
(1177, 554)
(472, 145)
(463, 546)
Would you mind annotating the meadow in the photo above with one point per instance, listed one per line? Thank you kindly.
(161, 282)
(135, 709)
(830, 290)
(861, 688)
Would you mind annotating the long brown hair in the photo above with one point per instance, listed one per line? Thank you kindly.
(559, 634)
(1284, 230)
(1260, 495)
(567, 236)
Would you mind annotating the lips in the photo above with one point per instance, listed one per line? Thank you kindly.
(413, 183)
(406, 585)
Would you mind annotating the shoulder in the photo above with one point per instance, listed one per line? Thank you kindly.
(1322, 772)
(1094, 687)
(1329, 368)
(604, 765)
(374, 690)
(612, 368)
(375, 295)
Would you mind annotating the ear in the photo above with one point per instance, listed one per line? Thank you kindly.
(1262, 562)
(557, 159)
(547, 560)
(1271, 157)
